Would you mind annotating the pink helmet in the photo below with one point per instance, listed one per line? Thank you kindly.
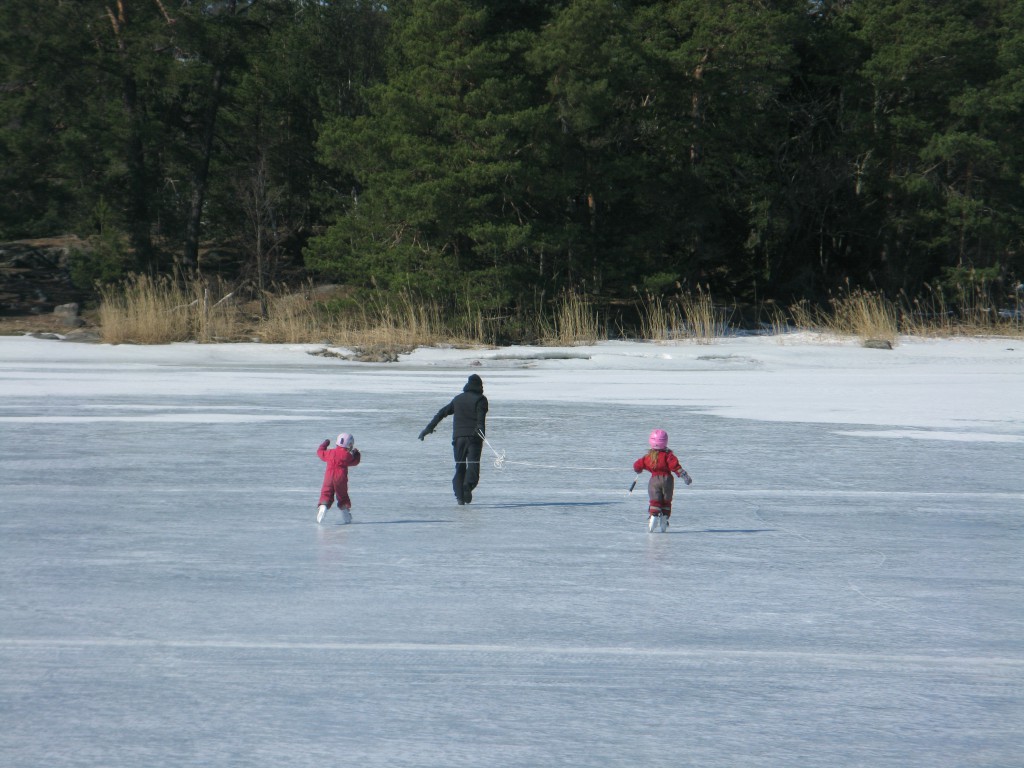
(658, 439)
(345, 440)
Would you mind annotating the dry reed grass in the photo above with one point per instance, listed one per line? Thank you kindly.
(702, 317)
(290, 319)
(395, 321)
(145, 310)
(215, 315)
(868, 316)
(972, 313)
(573, 322)
(659, 321)
(871, 316)
(689, 315)
(777, 319)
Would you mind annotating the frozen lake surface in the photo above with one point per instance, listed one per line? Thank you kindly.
(841, 586)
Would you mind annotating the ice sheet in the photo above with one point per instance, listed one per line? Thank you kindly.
(825, 596)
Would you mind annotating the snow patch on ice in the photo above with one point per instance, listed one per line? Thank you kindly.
(541, 355)
(167, 418)
(918, 434)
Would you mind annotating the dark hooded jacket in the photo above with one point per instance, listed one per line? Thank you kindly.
(469, 410)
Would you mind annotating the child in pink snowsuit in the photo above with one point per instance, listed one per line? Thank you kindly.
(662, 464)
(335, 486)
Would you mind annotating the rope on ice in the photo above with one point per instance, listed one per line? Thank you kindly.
(500, 461)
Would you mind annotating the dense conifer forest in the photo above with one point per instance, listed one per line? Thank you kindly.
(495, 151)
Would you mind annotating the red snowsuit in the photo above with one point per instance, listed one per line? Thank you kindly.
(662, 465)
(336, 475)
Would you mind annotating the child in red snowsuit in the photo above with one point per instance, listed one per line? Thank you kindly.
(335, 485)
(662, 464)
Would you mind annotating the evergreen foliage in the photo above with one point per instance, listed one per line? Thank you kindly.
(484, 153)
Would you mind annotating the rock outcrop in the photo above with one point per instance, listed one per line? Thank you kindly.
(34, 277)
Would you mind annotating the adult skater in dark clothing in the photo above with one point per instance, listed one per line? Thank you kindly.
(468, 430)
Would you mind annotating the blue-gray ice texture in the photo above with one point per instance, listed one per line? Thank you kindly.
(821, 599)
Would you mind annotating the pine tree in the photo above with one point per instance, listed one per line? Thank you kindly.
(944, 82)
(440, 199)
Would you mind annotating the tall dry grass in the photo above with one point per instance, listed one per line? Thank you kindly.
(872, 316)
(971, 312)
(868, 316)
(144, 310)
(703, 320)
(216, 315)
(573, 321)
(691, 315)
(660, 319)
(384, 321)
(776, 318)
(147, 310)
(291, 318)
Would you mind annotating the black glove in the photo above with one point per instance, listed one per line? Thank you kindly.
(325, 443)
(425, 432)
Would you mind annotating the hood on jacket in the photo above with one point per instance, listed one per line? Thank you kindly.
(474, 384)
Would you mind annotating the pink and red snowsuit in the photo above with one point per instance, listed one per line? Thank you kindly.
(662, 464)
(336, 475)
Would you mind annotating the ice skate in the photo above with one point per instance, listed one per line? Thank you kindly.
(664, 523)
(654, 521)
(320, 512)
(346, 516)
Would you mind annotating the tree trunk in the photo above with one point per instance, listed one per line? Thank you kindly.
(201, 175)
(138, 193)
(138, 187)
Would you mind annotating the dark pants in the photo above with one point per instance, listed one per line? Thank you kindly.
(467, 466)
(659, 491)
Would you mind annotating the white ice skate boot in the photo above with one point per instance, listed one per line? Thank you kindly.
(346, 516)
(653, 522)
(320, 512)
(664, 523)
